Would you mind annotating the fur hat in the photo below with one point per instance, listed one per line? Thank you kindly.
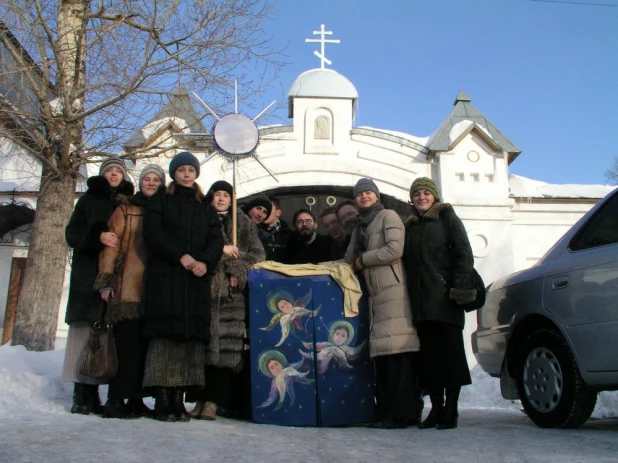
(424, 183)
(184, 158)
(366, 184)
(151, 169)
(259, 200)
(114, 162)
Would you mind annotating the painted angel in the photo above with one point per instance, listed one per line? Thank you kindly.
(289, 314)
(274, 364)
(337, 349)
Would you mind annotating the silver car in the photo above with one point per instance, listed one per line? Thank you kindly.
(550, 332)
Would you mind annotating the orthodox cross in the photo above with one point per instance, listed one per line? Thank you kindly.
(322, 41)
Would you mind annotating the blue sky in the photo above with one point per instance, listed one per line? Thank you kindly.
(545, 73)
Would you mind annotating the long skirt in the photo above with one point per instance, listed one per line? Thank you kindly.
(174, 364)
(443, 356)
(398, 395)
(77, 338)
(131, 348)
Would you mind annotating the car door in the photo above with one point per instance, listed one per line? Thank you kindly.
(581, 289)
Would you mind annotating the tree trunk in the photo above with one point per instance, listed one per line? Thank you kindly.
(36, 320)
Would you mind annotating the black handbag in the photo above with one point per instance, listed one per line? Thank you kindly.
(479, 285)
(100, 359)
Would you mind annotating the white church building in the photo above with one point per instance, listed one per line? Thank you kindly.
(316, 159)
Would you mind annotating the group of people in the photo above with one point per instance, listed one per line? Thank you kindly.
(164, 264)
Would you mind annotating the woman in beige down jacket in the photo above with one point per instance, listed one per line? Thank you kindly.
(376, 248)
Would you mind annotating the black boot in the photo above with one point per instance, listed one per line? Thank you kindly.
(164, 410)
(137, 408)
(115, 408)
(450, 408)
(94, 399)
(436, 415)
(178, 398)
(80, 400)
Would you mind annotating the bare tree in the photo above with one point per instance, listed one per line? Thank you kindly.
(85, 74)
(611, 174)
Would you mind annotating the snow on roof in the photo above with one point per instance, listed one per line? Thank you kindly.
(420, 140)
(461, 127)
(522, 187)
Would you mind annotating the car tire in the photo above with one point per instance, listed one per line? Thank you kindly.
(550, 386)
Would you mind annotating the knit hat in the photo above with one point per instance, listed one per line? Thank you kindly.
(114, 162)
(152, 169)
(259, 200)
(424, 183)
(221, 185)
(366, 184)
(184, 158)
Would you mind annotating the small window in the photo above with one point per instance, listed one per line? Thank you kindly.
(490, 178)
(601, 229)
(475, 177)
(460, 176)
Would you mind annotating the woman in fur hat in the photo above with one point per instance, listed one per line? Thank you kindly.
(121, 283)
(439, 262)
(227, 380)
(183, 235)
(87, 233)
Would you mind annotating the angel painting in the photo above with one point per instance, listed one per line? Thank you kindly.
(289, 313)
(273, 364)
(337, 349)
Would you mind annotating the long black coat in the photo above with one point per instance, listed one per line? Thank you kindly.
(83, 232)
(178, 302)
(437, 257)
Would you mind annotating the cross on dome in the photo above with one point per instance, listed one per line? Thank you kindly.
(322, 40)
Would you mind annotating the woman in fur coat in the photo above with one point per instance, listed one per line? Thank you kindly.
(121, 283)
(227, 379)
(439, 262)
(87, 233)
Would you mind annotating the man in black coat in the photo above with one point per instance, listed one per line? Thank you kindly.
(274, 233)
(337, 239)
(305, 245)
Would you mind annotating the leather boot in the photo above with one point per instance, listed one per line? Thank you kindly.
(94, 399)
(137, 408)
(115, 408)
(195, 413)
(178, 399)
(164, 411)
(436, 415)
(80, 401)
(450, 408)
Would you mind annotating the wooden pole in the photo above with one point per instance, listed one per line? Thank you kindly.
(234, 225)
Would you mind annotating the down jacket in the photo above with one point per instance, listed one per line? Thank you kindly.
(178, 302)
(390, 317)
(438, 260)
(228, 329)
(83, 234)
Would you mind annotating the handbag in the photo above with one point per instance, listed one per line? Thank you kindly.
(479, 285)
(100, 359)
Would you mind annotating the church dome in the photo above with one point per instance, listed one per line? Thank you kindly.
(321, 83)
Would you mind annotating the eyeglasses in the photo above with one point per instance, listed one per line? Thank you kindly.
(304, 222)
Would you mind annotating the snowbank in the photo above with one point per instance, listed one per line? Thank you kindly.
(522, 187)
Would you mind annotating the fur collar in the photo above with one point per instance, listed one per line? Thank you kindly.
(100, 187)
(432, 214)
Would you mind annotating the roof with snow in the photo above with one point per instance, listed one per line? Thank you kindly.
(463, 119)
(522, 187)
(321, 83)
(179, 111)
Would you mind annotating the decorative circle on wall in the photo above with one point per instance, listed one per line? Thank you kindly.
(473, 156)
(331, 200)
(310, 201)
(479, 243)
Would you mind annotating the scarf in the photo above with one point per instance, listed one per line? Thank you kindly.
(365, 217)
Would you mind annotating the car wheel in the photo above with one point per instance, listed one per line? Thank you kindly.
(551, 389)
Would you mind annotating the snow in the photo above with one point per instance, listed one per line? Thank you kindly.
(522, 187)
(461, 127)
(424, 141)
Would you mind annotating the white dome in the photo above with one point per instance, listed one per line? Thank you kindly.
(322, 83)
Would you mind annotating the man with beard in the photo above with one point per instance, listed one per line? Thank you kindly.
(337, 238)
(305, 246)
(274, 233)
(346, 212)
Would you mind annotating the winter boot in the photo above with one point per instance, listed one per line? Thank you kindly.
(137, 408)
(178, 399)
(199, 406)
(115, 408)
(436, 415)
(94, 399)
(164, 411)
(209, 412)
(80, 401)
(450, 409)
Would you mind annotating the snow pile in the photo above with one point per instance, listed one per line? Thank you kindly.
(462, 127)
(522, 187)
(423, 141)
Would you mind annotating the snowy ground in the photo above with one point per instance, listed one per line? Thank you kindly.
(36, 426)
